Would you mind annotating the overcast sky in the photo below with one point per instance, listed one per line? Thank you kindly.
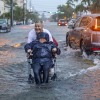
(46, 5)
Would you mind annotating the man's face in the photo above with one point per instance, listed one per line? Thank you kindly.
(38, 27)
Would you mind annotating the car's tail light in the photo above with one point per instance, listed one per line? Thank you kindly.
(96, 24)
(95, 48)
(96, 27)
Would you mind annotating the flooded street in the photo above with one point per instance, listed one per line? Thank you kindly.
(78, 78)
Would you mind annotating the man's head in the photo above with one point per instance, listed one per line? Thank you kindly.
(38, 26)
(43, 37)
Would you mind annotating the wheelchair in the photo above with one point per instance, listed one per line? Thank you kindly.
(52, 71)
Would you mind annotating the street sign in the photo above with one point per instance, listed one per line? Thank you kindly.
(65, 17)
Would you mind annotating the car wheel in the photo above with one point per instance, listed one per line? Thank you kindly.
(9, 29)
(67, 40)
(83, 50)
(6, 30)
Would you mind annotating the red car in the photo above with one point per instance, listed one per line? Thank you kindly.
(62, 22)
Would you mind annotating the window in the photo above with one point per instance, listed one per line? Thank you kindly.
(85, 21)
(77, 22)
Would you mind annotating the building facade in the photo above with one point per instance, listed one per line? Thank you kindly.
(6, 8)
(2, 8)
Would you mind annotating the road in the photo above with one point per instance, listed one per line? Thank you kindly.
(78, 78)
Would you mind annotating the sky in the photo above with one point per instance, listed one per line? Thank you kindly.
(46, 5)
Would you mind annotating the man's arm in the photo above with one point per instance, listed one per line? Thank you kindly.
(50, 36)
(31, 36)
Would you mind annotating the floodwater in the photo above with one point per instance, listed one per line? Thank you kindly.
(78, 77)
(74, 77)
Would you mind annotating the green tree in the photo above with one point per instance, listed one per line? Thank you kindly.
(18, 13)
(91, 5)
(5, 15)
(67, 9)
(8, 2)
(95, 6)
(32, 15)
(80, 8)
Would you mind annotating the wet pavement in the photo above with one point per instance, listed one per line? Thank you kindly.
(78, 78)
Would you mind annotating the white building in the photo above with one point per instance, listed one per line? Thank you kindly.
(5, 8)
(2, 8)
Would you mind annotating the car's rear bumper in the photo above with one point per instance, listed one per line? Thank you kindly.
(93, 48)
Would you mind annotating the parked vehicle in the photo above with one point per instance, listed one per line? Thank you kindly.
(5, 25)
(62, 22)
(19, 23)
(71, 23)
(85, 34)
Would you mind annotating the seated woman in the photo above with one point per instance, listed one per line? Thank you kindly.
(42, 53)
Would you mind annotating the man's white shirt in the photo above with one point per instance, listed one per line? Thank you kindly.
(32, 35)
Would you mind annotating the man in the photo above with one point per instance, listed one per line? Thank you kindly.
(33, 34)
(38, 29)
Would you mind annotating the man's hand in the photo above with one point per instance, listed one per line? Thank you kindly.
(54, 50)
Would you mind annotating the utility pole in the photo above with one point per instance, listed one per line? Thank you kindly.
(30, 6)
(11, 12)
(24, 10)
